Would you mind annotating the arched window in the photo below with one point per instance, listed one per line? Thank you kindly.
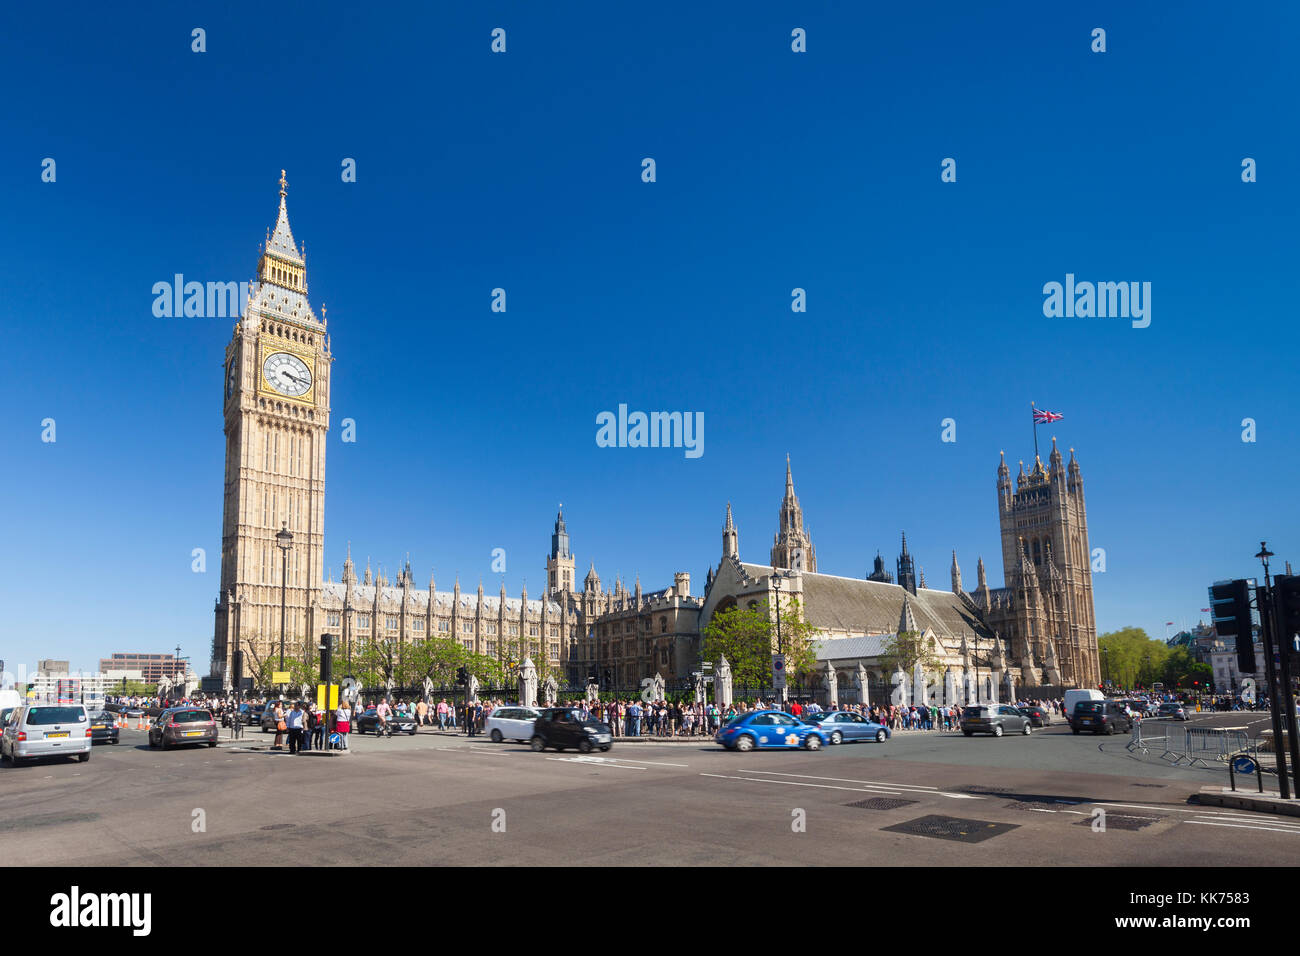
(1038, 553)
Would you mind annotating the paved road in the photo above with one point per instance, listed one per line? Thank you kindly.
(435, 799)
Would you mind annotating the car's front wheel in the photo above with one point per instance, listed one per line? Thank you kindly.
(997, 730)
(812, 742)
(880, 736)
(584, 746)
(837, 737)
(537, 744)
(1028, 728)
(744, 743)
(496, 736)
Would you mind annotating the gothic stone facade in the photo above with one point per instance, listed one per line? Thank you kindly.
(1040, 628)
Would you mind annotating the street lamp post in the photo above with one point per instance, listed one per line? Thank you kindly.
(780, 647)
(284, 539)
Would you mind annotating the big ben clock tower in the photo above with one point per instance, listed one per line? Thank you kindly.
(276, 381)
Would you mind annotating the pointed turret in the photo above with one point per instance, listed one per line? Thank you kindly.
(791, 545)
(906, 619)
(956, 574)
(368, 579)
(982, 577)
(730, 545)
(592, 582)
(920, 573)
(906, 568)
(349, 570)
(1054, 459)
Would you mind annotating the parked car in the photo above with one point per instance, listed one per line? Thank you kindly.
(183, 725)
(770, 729)
(1173, 711)
(369, 722)
(103, 727)
(845, 725)
(1038, 716)
(46, 730)
(995, 719)
(1101, 717)
(5, 714)
(513, 723)
(564, 727)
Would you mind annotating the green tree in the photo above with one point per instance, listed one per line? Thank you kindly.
(747, 637)
(909, 648)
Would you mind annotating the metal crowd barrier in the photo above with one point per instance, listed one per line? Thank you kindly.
(1195, 745)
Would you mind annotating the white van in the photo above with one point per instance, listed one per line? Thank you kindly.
(1073, 697)
(10, 698)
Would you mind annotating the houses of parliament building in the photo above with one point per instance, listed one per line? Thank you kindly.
(276, 406)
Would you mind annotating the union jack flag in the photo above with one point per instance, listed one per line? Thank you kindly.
(1045, 418)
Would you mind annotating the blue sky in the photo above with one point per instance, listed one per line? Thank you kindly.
(522, 170)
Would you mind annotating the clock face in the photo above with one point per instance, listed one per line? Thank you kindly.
(287, 374)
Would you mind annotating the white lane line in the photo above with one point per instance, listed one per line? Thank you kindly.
(591, 763)
(1239, 818)
(1240, 826)
(652, 763)
(843, 779)
(1138, 806)
(796, 783)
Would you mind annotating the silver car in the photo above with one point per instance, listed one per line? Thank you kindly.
(511, 723)
(46, 730)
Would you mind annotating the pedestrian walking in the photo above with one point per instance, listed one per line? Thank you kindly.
(280, 726)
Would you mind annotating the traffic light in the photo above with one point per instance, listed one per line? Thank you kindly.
(462, 675)
(1286, 591)
(609, 677)
(237, 666)
(1230, 601)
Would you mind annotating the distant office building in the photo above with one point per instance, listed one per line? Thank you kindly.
(52, 667)
(154, 667)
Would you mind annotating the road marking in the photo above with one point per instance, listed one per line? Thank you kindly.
(596, 761)
(796, 783)
(1240, 826)
(882, 783)
(1239, 818)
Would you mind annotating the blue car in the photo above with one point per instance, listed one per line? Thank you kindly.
(841, 726)
(770, 729)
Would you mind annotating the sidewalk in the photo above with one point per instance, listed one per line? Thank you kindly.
(1246, 799)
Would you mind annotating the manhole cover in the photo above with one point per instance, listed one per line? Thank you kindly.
(880, 803)
(279, 826)
(952, 828)
(1117, 821)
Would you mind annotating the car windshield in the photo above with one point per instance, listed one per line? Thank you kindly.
(1087, 706)
(55, 715)
(190, 716)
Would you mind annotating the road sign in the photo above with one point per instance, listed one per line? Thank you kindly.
(1243, 764)
(351, 687)
(279, 677)
(778, 671)
(705, 666)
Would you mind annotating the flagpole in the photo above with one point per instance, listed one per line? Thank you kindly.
(1034, 419)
